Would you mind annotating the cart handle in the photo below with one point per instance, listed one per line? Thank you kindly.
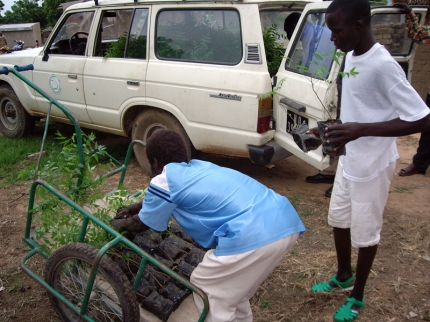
(5, 70)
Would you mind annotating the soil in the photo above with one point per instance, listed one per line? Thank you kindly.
(398, 288)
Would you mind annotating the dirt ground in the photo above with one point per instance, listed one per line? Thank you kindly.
(398, 288)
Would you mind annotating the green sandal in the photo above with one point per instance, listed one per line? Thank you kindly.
(347, 312)
(334, 285)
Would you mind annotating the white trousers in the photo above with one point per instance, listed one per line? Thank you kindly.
(360, 206)
(230, 281)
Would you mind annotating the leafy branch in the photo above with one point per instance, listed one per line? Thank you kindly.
(57, 223)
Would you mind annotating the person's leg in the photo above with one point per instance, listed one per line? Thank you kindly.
(331, 169)
(342, 242)
(230, 281)
(340, 219)
(422, 158)
(368, 200)
(366, 255)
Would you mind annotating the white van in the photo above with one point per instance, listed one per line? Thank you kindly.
(196, 67)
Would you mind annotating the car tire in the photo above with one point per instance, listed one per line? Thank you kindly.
(147, 123)
(15, 122)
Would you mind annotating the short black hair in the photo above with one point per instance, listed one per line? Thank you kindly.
(290, 23)
(166, 146)
(353, 10)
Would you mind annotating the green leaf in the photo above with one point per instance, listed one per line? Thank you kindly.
(317, 56)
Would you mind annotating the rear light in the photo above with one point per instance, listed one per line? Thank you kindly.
(264, 114)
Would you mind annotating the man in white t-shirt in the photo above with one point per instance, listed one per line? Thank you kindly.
(375, 109)
(248, 226)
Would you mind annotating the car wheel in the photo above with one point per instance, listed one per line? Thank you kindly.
(147, 123)
(15, 122)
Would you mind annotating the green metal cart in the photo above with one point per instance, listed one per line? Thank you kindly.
(85, 284)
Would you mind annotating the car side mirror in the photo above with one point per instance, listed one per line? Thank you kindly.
(45, 56)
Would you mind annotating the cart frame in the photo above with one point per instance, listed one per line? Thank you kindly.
(87, 217)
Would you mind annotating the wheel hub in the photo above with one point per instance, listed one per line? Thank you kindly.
(10, 111)
(8, 114)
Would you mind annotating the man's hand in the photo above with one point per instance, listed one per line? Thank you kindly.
(403, 7)
(341, 134)
(129, 211)
(131, 224)
(315, 131)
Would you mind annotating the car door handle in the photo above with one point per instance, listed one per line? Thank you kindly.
(134, 83)
(293, 105)
(72, 76)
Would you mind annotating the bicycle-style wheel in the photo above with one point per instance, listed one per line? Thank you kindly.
(112, 297)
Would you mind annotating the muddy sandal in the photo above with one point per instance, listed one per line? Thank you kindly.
(349, 310)
(334, 285)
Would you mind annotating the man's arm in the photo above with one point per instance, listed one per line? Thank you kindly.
(420, 35)
(129, 219)
(129, 211)
(341, 134)
(131, 224)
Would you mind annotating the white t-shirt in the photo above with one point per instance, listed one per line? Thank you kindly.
(380, 92)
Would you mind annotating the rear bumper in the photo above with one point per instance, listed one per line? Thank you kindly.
(268, 153)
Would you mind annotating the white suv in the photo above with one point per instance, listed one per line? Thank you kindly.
(196, 67)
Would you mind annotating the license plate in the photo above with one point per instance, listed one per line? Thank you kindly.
(294, 120)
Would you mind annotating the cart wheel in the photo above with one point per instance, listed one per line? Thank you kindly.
(112, 298)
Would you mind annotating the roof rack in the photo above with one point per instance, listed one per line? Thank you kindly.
(135, 1)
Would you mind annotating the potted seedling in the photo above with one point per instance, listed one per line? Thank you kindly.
(309, 141)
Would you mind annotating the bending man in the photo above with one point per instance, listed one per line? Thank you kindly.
(249, 227)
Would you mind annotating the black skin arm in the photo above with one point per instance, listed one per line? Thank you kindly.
(403, 7)
(131, 221)
(351, 131)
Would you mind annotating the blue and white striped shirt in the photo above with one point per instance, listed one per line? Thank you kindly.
(218, 207)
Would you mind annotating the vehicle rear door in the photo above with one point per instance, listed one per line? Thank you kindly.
(306, 83)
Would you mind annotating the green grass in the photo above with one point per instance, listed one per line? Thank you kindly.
(403, 189)
(266, 305)
(295, 200)
(305, 213)
(14, 165)
(13, 158)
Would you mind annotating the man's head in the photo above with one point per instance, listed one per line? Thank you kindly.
(290, 23)
(164, 147)
(349, 21)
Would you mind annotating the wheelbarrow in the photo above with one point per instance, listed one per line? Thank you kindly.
(83, 282)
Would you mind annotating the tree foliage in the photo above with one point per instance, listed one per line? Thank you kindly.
(23, 11)
(51, 10)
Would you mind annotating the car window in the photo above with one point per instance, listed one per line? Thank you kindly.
(276, 19)
(312, 53)
(122, 34)
(72, 35)
(138, 35)
(208, 36)
(113, 32)
(390, 30)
